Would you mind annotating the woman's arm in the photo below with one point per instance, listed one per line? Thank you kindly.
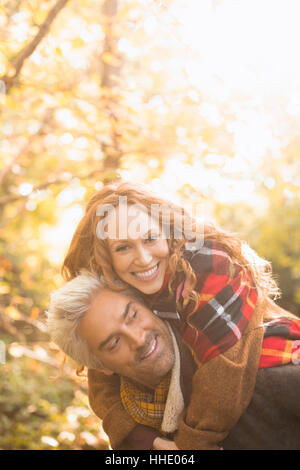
(227, 299)
(225, 335)
(222, 390)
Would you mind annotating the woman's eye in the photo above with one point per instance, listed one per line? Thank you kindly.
(122, 248)
(152, 238)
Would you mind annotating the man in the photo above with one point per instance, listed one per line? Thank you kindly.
(115, 333)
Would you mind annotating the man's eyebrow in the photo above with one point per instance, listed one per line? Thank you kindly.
(123, 317)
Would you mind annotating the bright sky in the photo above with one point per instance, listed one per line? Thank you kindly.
(237, 49)
(233, 48)
(251, 46)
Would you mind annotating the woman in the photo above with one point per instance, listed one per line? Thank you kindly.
(218, 286)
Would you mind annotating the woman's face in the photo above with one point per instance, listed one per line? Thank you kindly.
(140, 254)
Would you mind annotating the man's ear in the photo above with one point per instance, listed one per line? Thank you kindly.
(104, 370)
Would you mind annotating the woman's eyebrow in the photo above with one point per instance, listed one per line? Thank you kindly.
(113, 241)
(103, 343)
(153, 230)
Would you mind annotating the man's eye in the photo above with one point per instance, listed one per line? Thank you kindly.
(113, 344)
(134, 314)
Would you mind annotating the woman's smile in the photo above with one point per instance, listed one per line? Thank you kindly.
(149, 274)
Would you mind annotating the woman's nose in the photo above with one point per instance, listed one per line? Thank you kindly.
(143, 256)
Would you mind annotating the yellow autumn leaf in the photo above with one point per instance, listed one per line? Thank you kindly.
(35, 311)
(110, 59)
(5, 263)
(39, 16)
(77, 43)
(4, 289)
(12, 312)
(58, 51)
(297, 296)
(10, 70)
(17, 299)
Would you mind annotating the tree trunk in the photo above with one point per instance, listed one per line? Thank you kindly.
(111, 69)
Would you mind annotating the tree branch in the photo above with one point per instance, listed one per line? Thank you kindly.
(16, 197)
(29, 48)
(6, 170)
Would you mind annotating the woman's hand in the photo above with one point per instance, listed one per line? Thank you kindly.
(164, 444)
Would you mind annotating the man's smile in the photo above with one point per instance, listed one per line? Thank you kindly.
(151, 349)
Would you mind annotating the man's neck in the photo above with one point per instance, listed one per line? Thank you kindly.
(146, 386)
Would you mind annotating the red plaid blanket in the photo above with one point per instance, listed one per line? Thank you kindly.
(281, 344)
(227, 300)
(224, 310)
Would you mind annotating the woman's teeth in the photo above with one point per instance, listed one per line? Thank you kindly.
(147, 274)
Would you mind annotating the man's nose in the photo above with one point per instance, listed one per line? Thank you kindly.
(136, 337)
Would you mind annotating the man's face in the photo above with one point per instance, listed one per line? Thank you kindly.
(128, 338)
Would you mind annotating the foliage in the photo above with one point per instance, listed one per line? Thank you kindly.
(275, 236)
(91, 90)
(44, 414)
(279, 241)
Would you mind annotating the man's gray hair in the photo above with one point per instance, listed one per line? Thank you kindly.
(68, 305)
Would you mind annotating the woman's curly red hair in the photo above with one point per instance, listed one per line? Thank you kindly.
(88, 251)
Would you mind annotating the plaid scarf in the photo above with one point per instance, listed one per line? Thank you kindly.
(281, 344)
(228, 297)
(145, 406)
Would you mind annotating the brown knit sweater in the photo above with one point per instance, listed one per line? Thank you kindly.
(222, 390)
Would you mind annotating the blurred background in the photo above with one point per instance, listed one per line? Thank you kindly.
(198, 98)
